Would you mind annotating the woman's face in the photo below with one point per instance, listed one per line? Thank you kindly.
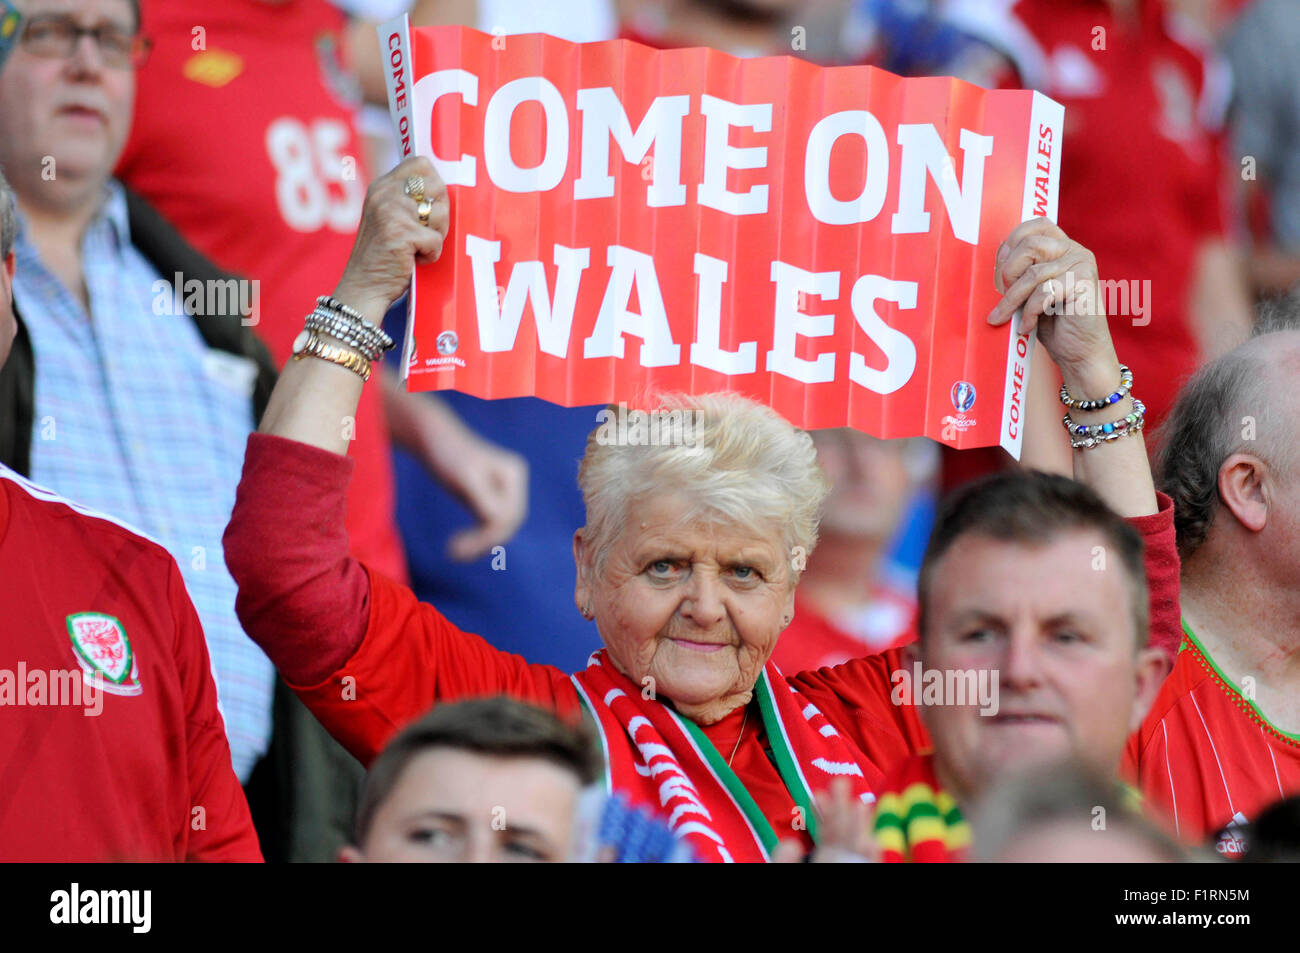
(690, 612)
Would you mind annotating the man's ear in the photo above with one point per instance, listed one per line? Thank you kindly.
(1152, 667)
(10, 265)
(1244, 489)
(583, 562)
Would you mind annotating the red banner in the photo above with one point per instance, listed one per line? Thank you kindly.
(625, 220)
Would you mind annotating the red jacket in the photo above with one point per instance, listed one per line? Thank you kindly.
(137, 770)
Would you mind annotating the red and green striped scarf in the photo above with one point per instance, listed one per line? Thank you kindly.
(916, 820)
(656, 757)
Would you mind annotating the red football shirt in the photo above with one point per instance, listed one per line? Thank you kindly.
(1206, 755)
(244, 138)
(139, 770)
(1142, 176)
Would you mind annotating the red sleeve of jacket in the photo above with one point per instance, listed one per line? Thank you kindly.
(1157, 531)
(302, 598)
(220, 827)
(361, 651)
(412, 658)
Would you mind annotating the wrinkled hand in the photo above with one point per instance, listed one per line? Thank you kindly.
(491, 480)
(1055, 280)
(390, 239)
(844, 825)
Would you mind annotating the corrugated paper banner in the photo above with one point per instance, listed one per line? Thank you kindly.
(627, 220)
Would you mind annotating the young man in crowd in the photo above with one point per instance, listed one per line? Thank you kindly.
(479, 781)
(1222, 741)
(111, 744)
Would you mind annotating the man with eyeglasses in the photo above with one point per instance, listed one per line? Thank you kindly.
(122, 392)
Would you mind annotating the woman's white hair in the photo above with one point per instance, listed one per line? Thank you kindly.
(738, 462)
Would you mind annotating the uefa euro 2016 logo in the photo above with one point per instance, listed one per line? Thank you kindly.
(963, 396)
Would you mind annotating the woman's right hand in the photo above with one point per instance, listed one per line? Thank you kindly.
(391, 240)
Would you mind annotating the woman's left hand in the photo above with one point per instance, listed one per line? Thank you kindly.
(1054, 279)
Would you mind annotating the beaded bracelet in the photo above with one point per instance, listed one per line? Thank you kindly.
(1110, 430)
(1087, 443)
(354, 316)
(1125, 385)
(347, 332)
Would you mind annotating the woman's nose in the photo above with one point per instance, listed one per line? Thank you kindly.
(703, 604)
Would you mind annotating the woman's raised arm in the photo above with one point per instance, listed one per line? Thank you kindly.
(1055, 280)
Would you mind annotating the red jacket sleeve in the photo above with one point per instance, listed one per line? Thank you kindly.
(1157, 531)
(220, 827)
(302, 598)
(361, 651)
(412, 658)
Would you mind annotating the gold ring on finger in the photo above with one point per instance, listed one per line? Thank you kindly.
(415, 187)
(425, 208)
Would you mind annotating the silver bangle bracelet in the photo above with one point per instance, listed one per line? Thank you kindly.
(352, 315)
(368, 332)
(348, 333)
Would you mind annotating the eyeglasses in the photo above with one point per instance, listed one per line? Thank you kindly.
(56, 37)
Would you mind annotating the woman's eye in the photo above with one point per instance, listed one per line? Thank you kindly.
(662, 567)
(746, 572)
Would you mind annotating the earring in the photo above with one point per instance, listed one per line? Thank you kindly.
(587, 613)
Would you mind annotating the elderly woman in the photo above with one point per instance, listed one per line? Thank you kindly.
(688, 565)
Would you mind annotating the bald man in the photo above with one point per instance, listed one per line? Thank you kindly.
(1222, 741)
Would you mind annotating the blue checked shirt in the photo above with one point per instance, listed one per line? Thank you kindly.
(138, 418)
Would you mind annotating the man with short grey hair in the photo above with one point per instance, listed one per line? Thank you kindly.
(1222, 740)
